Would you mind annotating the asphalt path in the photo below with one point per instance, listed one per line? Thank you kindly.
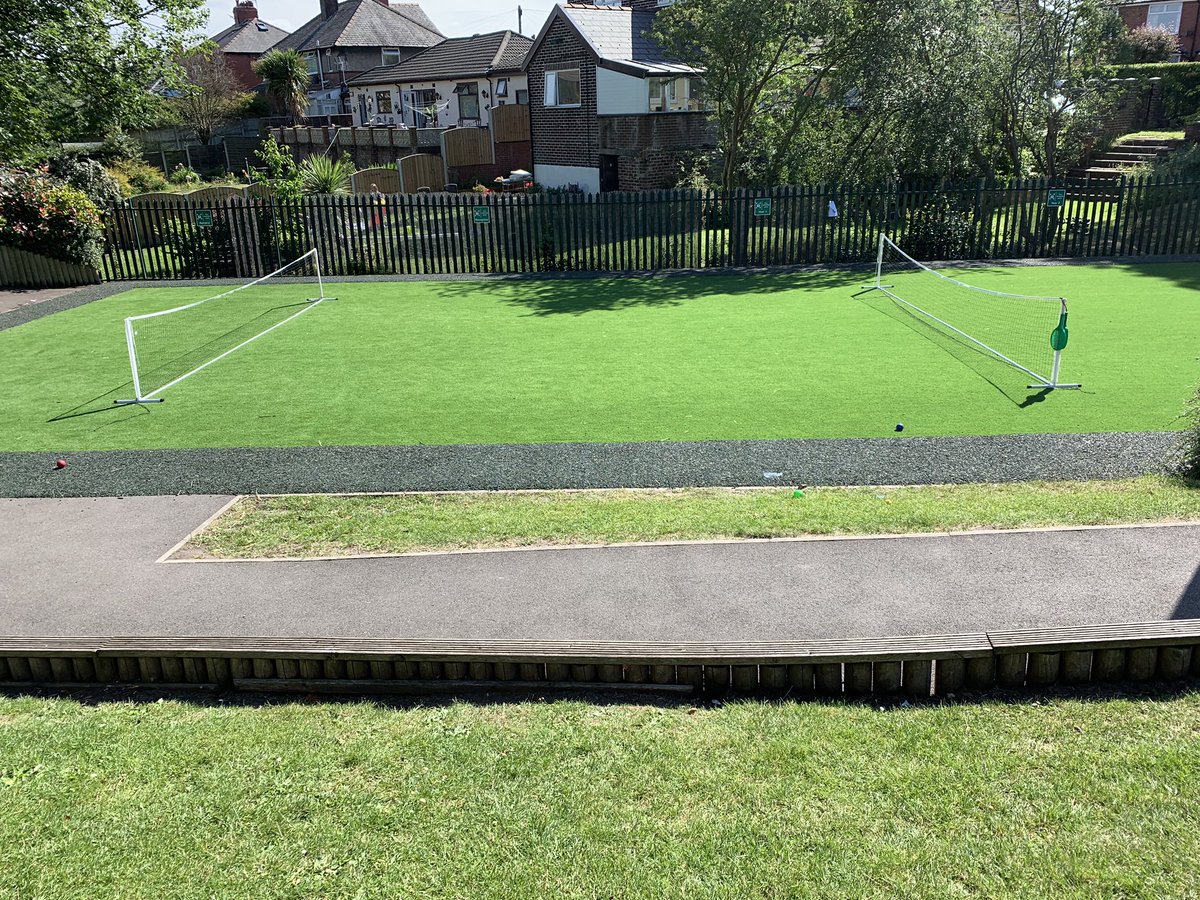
(88, 567)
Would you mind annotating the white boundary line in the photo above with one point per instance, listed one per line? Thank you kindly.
(541, 548)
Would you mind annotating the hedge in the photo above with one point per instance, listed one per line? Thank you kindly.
(1180, 86)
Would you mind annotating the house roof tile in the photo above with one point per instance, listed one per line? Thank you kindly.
(618, 35)
(482, 54)
(254, 36)
(366, 23)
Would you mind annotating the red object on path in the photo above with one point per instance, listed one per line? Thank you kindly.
(60, 464)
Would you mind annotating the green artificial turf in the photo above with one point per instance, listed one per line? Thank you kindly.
(615, 359)
(1060, 798)
(323, 525)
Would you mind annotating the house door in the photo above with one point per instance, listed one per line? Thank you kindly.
(610, 178)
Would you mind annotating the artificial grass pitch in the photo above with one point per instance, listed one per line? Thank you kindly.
(616, 359)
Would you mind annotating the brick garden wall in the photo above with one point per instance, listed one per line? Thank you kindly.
(653, 149)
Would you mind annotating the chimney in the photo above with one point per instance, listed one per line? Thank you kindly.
(328, 8)
(245, 11)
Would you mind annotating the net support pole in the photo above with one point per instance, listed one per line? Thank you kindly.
(878, 285)
(133, 368)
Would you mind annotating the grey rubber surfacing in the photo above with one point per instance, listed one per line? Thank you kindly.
(902, 460)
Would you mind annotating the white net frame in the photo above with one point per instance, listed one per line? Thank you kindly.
(307, 265)
(1024, 305)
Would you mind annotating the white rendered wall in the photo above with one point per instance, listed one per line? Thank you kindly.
(587, 178)
(619, 94)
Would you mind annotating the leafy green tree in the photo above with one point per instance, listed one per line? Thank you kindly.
(764, 62)
(86, 67)
(286, 75)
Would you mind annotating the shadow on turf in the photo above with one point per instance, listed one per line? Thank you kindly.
(575, 296)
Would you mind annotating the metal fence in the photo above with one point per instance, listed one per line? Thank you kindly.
(654, 230)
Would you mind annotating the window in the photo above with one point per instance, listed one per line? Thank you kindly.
(1165, 15)
(501, 87)
(522, 98)
(562, 88)
(383, 103)
(313, 63)
(391, 56)
(680, 94)
(468, 99)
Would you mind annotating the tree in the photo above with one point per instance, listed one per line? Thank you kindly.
(1146, 44)
(212, 96)
(286, 75)
(763, 63)
(85, 68)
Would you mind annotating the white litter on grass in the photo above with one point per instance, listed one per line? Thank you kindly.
(772, 475)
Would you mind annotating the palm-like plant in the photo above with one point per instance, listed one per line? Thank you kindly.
(286, 75)
(322, 175)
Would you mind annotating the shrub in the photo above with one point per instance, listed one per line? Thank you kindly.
(88, 176)
(1146, 45)
(137, 177)
(51, 218)
(185, 176)
(280, 170)
(119, 145)
(938, 231)
(322, 175)
(1191, 440)
(202, 252)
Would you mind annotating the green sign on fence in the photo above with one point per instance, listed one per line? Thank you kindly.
(483, 215)
(1056, 198)
(762, 206)
(204, 218)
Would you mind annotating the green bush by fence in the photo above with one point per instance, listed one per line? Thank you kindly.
(655, 230)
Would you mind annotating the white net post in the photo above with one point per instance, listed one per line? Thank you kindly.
(879, 262)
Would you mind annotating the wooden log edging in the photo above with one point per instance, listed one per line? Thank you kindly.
(919, 667)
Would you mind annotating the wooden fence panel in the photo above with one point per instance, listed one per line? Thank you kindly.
(467, 147)
(385, 179)
(510, 123)
(22, 269)
(421, 170)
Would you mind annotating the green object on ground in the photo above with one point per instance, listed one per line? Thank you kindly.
(336, 526)
(1061, 798)
(679, 358)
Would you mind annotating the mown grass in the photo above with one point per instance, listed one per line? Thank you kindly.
(337, 525)
(1061, 798)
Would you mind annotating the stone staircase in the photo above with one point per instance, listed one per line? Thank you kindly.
(1123, 155)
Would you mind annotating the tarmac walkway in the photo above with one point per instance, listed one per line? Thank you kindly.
(71, 567)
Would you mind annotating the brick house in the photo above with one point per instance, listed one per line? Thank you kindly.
(244, 42)
(353, 37)
(1179, 16)
(463, 78)
(608, 110)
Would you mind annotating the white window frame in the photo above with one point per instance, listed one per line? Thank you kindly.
(393, 52)
(501, 87)
(552, 92)
(314, 64)
(1170, 8)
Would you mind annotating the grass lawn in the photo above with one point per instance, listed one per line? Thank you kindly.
(616, 359)
(332, 526)
(1062, 798)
